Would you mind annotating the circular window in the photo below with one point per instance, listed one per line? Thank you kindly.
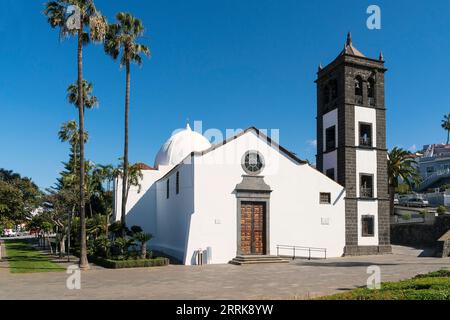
(253, 162)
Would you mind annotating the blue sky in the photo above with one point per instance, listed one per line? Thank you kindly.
(228, 63)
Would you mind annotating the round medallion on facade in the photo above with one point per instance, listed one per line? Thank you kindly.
(253, 162)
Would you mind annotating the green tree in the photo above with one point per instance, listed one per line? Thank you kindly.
(400, 165)
(143, 238)
(121, 39)
(19, 197)
(87, 24)
(446, 126)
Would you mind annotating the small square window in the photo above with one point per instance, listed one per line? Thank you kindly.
(368, 226)
(325, 198)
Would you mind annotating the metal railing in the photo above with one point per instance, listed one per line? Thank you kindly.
(358, 99)
(366, 192)
(365, 141)
(296, 250)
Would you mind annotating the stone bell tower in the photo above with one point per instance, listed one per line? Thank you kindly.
(351, 145)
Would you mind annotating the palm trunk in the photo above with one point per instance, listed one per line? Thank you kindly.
(107, 225)
(62, 245)
(69, 232)
(125, 152)
(143, 250)
(391, 199)
(84, 264)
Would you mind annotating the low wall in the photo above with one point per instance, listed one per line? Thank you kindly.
(420, 235)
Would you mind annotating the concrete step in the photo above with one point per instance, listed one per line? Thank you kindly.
(246, 260)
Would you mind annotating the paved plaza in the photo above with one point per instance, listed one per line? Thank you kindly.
(299, 279)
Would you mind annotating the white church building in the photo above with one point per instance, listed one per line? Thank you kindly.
(243, 196)
(248, 196)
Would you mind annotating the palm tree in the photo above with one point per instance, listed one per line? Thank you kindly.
(122, 38)
(69, 133)
(89, 101)
(91, 26)
(143, 238)
(105, 175)
(400, 165)
(134, 179)
(446, 126)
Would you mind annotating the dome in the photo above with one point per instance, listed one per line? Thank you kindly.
(179, 146)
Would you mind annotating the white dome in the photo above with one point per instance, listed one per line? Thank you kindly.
(179, 146)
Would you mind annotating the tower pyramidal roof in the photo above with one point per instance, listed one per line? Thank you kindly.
(350, 49)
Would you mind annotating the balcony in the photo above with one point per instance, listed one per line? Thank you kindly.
(372, 102)
(359, 100)
(365, 141)
(366, 192)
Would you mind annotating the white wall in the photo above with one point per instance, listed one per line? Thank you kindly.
(330, 162)
(330, 159)
(174, 213)
(330, 119)
(366, 162)
(295, 213)
(367, 115)
(141, 208)
(368, 208)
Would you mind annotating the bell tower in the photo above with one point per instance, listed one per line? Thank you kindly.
(351, 145)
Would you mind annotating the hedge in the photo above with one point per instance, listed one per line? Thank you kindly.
(121, 264)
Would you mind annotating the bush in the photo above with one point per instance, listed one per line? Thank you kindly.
(441, 210)
(138, 263)
(120, 247)
(407, 216)
(102, 247)
(136, 229)
(117, 229)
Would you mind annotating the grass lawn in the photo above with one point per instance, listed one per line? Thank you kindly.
(23, 258)
(432, 286)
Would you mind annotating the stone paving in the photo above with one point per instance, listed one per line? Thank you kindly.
(299, 279)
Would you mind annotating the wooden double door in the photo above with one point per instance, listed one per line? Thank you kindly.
(253, 228)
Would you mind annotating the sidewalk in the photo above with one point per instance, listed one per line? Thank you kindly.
(296, 280)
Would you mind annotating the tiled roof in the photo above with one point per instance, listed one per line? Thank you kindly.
(349, 49)
(143, 166)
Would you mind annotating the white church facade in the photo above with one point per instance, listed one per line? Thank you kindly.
(247, 195)
(215, 198)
